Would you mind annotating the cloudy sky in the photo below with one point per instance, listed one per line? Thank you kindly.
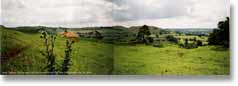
(86, 13)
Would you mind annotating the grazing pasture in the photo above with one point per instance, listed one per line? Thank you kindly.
(170, 60)
(88, 57)
(114, 50)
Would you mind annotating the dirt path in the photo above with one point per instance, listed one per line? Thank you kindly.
(11, 53)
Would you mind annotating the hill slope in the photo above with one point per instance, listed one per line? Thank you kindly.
(87, 57)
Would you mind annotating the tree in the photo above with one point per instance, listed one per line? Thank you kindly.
(171, 38)
(186, 42)
(188, 45)
(194, 39)
(143, 35)
(98, 35)
(199, 43)
(220, 36)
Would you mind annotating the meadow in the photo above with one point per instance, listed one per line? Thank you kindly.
(170, 60)
(88, 57)
(21, 54)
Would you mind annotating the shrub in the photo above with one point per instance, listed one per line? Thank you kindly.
(220, 36)
(199, 43)
(143, 35)
(159, 45)
(191, 46)
(149, 40)
(66, 62)
(172, 39)
(49, 40)
(188, 45)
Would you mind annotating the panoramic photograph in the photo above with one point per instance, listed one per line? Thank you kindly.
(115, 37)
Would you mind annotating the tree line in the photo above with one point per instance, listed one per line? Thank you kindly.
(219, 36)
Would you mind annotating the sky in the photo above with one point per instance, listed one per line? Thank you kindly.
(89, 13)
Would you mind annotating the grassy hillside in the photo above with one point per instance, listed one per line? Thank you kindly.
(170, 60)
(86, 55)
(21, 54)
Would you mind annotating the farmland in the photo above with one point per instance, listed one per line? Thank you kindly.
(115, 53)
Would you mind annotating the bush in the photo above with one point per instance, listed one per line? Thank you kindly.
(49, 40)
(66, 62)
(149, 40)
(220, 36)
(143, 35)
(172, 39)
(199, 43)
(189, 45)
(159, 45)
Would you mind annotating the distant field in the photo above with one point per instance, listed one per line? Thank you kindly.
(202, 38)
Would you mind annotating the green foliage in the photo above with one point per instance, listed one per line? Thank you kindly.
(188, 45)
(199, 43)
(220, 36)
(29, 29)
(149, 40)
(28, 57)
(159, 45)
(143, 35)
(88, 58)
(172, 39)
(66, 64)
(186, 42)
(98, 35)
(193, 39)
(9, 41)
(100, 58)
(49, 43)
(34, 29)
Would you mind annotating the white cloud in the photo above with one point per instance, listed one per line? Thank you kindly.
(55, 13)
(0, 13)
(149, 9)
(172, 14)
(80, 13)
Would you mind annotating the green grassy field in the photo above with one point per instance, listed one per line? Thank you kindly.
(170, 60)
(90, 57)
